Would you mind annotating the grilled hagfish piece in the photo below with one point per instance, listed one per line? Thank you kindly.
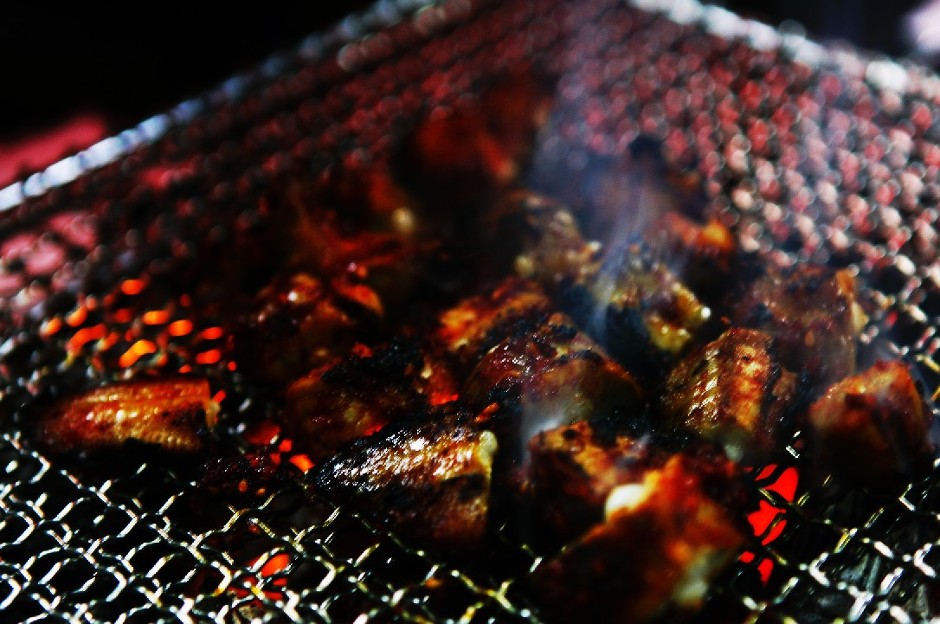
(813, 314)
(547, 375)
(476, 324)
(543, 239)
(650, 316)
(361, 393)
(661, 542)
(172, 414)
(429, 479)
(571, 471)
(873, 427)
(300, 323)
(732, 391)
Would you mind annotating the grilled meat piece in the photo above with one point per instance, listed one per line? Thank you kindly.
(173, 414)
(733, 391)
(300, 323)
(546, 375)
(646, 315)
(475, 325)
(661, 543)
(360, 394)
(872, 427)
(813, 314)
(573, 469)
(702, 252)
(428, 479)
(542, 240)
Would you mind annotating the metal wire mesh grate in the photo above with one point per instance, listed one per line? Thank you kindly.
(813, 153)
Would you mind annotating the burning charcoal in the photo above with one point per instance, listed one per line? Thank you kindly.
(651, 316)
(660, 544)
(173, 414)
(873, 427)
(360, 394)
(300, 323)
(542, 239)
(547, 375)
(813, 315)
(476, 324)
(428, 479)
(732, 391)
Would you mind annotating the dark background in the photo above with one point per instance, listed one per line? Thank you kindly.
(128, 63)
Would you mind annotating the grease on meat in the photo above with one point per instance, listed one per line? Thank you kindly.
(428, 479)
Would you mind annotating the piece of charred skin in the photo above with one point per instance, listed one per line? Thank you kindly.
(813, 314)
(252, 474)
(300, 323)
(732, 391)
(541, 239)
(476, 324)
(872, 428)
(361, 393)
(173, 414)
(543, 376)
(660, 544)
(428, 479)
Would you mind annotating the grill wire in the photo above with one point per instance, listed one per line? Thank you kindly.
(814, 153)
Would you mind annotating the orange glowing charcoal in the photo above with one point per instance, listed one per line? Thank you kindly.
(77, 316)
(136, 351)
(263, 433)
(51, 327)
(211, 333)
(124, 315)
(302, 462)
(155, 317)
(179, 328)
(83, 336)
(133, 286)
(209, 357)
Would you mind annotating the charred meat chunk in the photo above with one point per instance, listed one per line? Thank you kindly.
(361, 393)
(542, 238)
(472, 327)
(428, 479)
(660, 544)
(173, 414)
(300, 323)
(571, 471)
(544, 376)
(812, 313)
(872, 427)
(703, 252)
(732, 391)
(648, 315)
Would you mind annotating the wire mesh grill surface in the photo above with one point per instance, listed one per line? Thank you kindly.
(813, 153)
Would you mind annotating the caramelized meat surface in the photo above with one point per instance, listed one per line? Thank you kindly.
(732, 391)
(543, 240)
(428, 479)
(358, 395)
(872, 427)
(475, 325)
(813, 315)
(170, 413)
(299, 323)
(545, 376)
(661, 542)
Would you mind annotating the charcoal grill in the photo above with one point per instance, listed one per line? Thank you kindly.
(114, 262)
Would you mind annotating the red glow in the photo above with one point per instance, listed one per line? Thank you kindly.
(768, 521)
(44, 148)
